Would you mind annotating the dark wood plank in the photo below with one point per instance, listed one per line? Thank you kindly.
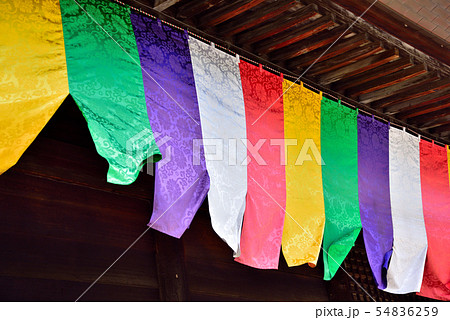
(22, 289)
(387, 81)
(293, 35)
(404, 115)
(68, 163)
(161, 5)
(196, 7)
(426, 98)
(373, 74)
(436, 123)
(345, 59)
(442, 129)
(394, 23)
(412, 93)
(320, 40)
(171, 268)
(278, 25)
(391, 90)
(360, 66)
(258, 16)
(56, 210)
(342, 46)
(242, 282)
(427, 117)
(227, 12)
(43, 258)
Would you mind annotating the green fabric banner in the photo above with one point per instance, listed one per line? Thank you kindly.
(339, 142)
(105, 79)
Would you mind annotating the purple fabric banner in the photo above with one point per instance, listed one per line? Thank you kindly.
(181, 181)
(374, 196)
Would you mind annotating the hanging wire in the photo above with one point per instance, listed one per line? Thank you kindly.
(275, 71)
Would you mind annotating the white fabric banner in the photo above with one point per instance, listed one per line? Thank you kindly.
(405, 269)
(222, 116)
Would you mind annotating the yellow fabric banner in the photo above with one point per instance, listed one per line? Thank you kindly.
(305, 213)
(33, 77)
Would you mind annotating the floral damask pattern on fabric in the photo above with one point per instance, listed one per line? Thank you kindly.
(266, 195)
(339, 144)
(181, 185)
(436, 209)
(374, 196)
(105, 79)
(305, 213)
(33, 78)
(405, 270)
(222, 113)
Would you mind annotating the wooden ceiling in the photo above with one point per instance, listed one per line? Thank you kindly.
(366, 67)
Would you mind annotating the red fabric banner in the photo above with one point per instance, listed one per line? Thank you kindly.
(436, 212)
(266, 192)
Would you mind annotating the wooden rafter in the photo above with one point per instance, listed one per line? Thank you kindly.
(426, 98)
(294, 35)
(373, 74)
(320, 55)
(257, 17)
(345, 59)
(392, 90)
(161, 5)
(305, 46)
(275, 27)
(403, 96)
(360, 66)
(387, 81)
(414, 112)
(227, 12)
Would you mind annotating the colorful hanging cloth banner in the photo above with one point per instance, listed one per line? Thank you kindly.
(105, 80)
(180, 184)
(405, 269)
(33, 79)
(339, 145)
(305, 213)
(436, 209)
(222, 113)
(374, 197)
(266, 195)
(448, 162)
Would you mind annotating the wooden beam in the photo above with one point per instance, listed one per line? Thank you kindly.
(442, 129)
(387, 81)
(275, 27)
(294, 35)
(373, 74)
(395, 24)
(414, 112)
(195, 7)
(396, 87)
(436, 122)
(426, 118)
(161, 5)
(360, 66)
(227, 12)
(171, 268)
(257, 17)
(412, 93)
(429, 98)
(321, 39)
(343, 45)
(345, 59)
